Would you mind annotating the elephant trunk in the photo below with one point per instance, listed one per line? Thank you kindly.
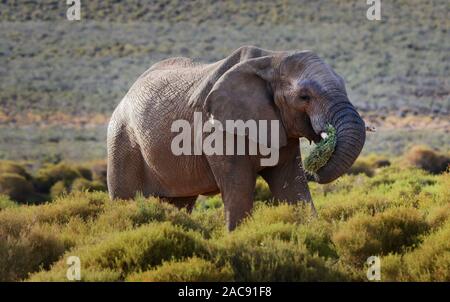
(351, 135)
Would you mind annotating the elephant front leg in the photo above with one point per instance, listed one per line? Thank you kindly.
(287, 181)
(236, 180)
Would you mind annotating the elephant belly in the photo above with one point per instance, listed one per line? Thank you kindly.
(177, 176)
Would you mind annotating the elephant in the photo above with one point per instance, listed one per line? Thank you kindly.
(296, 88)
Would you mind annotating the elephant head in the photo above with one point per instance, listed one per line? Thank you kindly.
(297, 88)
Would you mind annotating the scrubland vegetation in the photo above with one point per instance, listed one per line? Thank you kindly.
(387, 208)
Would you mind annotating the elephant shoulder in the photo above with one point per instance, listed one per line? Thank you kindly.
(174, 63)
(171, 64)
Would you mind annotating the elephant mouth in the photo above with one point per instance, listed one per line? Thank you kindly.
(312, 135)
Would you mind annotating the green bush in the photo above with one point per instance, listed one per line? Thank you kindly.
(35, 248)
(211, 202)
(16, 187)
(361, 166)
(277, 260)
(391, 231)
(270, 214)
(91, 275)
(316, 236)
(98, 169)
(438, 215)
(144, 248)
(155, 210)
(211, 222)
(138, 250)
(262, 191)
(13, 168)
(49, 174)
(15, 220)
(6, 202)
(190, 270)
(85, 172)
(83, 184)
(59, 188)
(275, 245)
(79, 184)
(428, 262)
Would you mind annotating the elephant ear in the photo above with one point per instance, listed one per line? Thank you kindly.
(243, 93)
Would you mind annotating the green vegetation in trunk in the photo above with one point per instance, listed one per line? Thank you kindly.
(320, 155)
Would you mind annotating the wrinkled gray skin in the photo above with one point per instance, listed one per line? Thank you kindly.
(297, 88)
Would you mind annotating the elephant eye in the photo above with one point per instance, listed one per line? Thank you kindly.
(305, 97)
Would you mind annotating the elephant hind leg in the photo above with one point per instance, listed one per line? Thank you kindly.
(125, 173)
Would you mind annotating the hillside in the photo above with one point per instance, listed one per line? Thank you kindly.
(56, 74)
(50, 64)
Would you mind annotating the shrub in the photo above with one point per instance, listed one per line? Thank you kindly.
(137, 250)
(15, 220)
(368, 165)
(345, 206)
(36, 247)
(91, 275)
(316, 236)
(85, 172)
(16, 187)
(255, 234)
(98, 169)
(155, 210)
(427, 159)
(190, 270)
(83, 184)
(48, 175)
(361, 166)
(438, 215)
(428, 262)
(277, 260)
(270, 214)
(376, 161)
(212, 202)
(211, 222)
(79, 184)
(262, 191)
(58, 189)
(144, 248)
(5, 202)
(13, 168)
(391, 231)
(381, 163)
